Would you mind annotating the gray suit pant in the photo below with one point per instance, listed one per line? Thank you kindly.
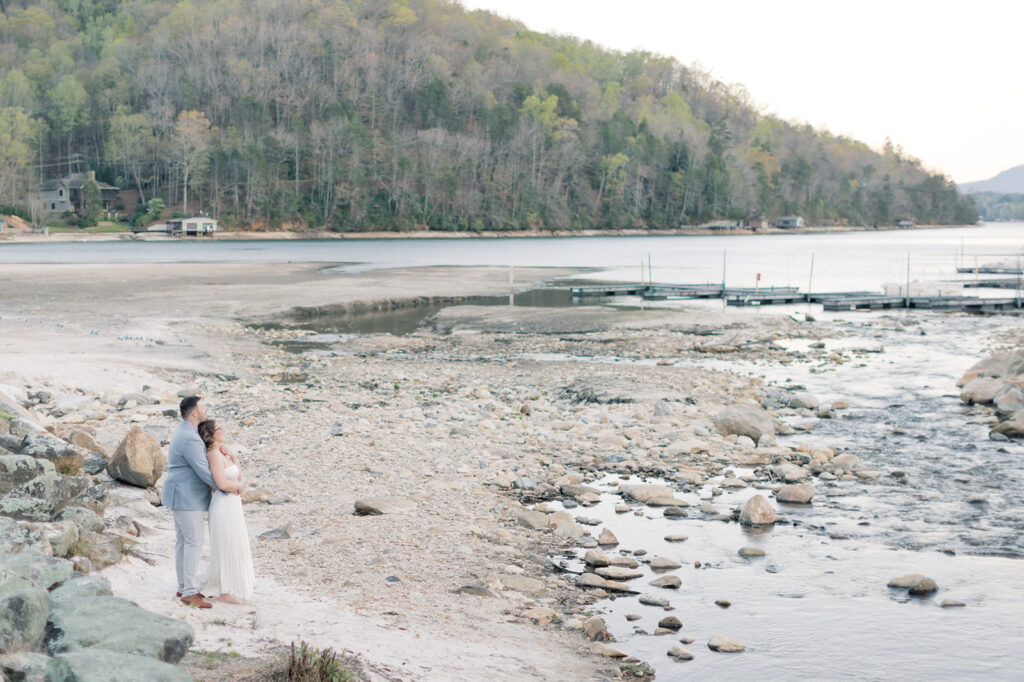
(189, 528)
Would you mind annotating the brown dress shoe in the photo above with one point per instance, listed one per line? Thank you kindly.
(201, 595)
(197, 601)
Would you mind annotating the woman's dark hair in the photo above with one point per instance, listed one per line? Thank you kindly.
(206, 431)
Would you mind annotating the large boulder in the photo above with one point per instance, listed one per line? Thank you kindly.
(138, 460)
(81, 587)
(43, 497)
(65, 457)
(802, 493)
(115, 625)
(757, 511)
(84, 519)
(13, 536)
(24, 666)
(981, 390)
(93, 498)
(18, 469)
(23, 612)
(38, 569)
(97, 665)
(1014, 426)
(744, 420)
(102, 550)
(1006, 364)
(804, 400)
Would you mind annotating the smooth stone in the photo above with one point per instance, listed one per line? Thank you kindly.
(590, 580)
(725, 644)
(804, 401)
(648, 600)
(674, 512)
(724, 603)
(670, 622)
(607, 538)
(596, 557)
(950, 603)
(924, 586)
(605, 650)
(750, 552)
(618, 573)
(757, 512)
(675, 538)
(671, 582)
(660, 563)
(906, 581)
(633, 616)
(679, 653)
(595, 629)
(744, 420)
(802, 493)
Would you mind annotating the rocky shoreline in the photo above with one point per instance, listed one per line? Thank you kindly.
(421, 501)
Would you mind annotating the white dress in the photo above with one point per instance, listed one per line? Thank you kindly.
(230, 560)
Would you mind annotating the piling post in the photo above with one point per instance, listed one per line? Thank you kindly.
(907, 303)
(724, 251)
(810, 280)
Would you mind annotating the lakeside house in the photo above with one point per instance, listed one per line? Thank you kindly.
(65, 195)
(789, 222)
(193, 226)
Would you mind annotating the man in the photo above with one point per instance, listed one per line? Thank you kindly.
(187, 494)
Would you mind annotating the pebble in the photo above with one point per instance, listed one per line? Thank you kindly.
(648, 600)
(680, 654)
(725, 644)
(750, 552)
(670, 622)
(675, 538)
(660, 563)
(724, 603)
(633, 616)
(671, 582)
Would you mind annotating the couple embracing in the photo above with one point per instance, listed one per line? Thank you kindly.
(203, 474)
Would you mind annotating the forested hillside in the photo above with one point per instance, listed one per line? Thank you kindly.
(999, 206)
(373, 114)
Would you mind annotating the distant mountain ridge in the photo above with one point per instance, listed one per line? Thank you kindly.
(1009, 181)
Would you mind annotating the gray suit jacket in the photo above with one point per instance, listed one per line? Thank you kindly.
(188, 482)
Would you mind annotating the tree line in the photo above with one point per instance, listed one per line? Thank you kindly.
(411, 114)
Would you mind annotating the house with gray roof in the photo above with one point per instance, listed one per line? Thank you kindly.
(60, 195)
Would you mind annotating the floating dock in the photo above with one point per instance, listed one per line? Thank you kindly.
(831, 301)
(1001, 283)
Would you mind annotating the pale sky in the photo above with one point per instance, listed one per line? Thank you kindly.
(945, 80)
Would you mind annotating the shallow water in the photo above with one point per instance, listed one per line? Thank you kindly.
(813, 607)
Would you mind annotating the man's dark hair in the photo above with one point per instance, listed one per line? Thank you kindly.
(206, 430)
(187, 405)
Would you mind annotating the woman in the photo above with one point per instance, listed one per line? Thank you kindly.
(231, 573)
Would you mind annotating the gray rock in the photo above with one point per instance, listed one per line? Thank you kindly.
(102, 550)
(38, 569)
(744, 420)
(679, 653)
(62, 536)
(660, 563)
(981, 390)
(13, 536)
(670, 622)
(796, 494)
(81, 587)
(138, 460)
(376, 506)
(115, 625)
(65, 458)
(618, 573)
(750, 552)
(84, 519)
(24, 666)
(596, 557)
(725, 644)
(280, 533)
(22, 616)
(18, 469)
(521, 583)
(97, 665)
(804, 401)
(906, 581)
(790, 473)
(650, 600)
(93, 463)
(524, 483)
(590, 580)
(842, 463)
(595, 629)
(607, 538)
(671, 582)
(532, 519)
(43, 497)
(757, 512)
(94, 498)
(924, 586)
(475, 589)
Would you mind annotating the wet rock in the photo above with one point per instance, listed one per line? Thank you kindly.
(671, 582)
(981, 390)
(607, 538)
(744, 420)
(633, 616)
(115, 625)
(596, 557)
(950, 603)
(790, 473)
(843, 463)
(923, 586)
(796, 494)
(650, 600)
(645, 493)
(674, 512)
(750, 552)
(670, 622)
(675, 538)
(590, 580)
(724, 603)
(757, 512)
(137, 460)
(679, 653)
(725, 644)
(377, 506)
(905, 581)
(88, 665)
